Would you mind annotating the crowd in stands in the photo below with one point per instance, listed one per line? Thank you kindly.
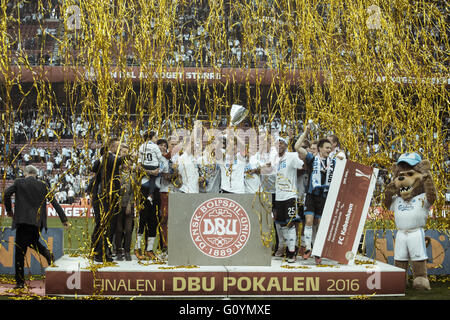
(192, 44)
(51, 147)
(65, 163)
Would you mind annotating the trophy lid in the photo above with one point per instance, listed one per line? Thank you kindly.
(237, 114)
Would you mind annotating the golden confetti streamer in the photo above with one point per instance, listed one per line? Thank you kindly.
(327, 266)
(285, 266)
(179, 267)
(145, 263)
(439, 278)
(363, 296)
(364, 262)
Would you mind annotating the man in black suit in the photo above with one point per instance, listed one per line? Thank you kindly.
(106, 200)
(30, 217)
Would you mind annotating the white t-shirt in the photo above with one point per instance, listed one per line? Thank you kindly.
(63, 196)
(65, 152)
(410, 214)
(211, 172)
(268, 174)
(58, 159)
(232, 174)
(252, 181)
(286, 182)
(150, 154)
(187, 167)
(172, 187)
(162, 183)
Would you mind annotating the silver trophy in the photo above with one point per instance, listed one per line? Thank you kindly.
(314, 127)
(237, 114)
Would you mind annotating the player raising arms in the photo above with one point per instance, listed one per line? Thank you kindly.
(285, 205)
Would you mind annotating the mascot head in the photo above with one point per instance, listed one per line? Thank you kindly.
(409, 174)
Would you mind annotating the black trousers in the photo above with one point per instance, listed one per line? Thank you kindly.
(124, 230)
(149, 187)
(27, 236)
(105, 209)
(96, 240)
(148, 219)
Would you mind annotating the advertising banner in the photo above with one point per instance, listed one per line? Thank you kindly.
(34, 262)
(379, 245)
(71, 211)
(345, 211)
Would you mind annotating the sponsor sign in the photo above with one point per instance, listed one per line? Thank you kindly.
(345, 211)
(188, 74)
(218, 229)
(379, 245)
(71, 211)
(263, 76)
(226, 283)
(34, 262)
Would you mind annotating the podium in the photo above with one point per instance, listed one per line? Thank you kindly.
(219, 229)
(220, 246)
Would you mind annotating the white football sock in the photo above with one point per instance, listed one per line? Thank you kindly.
(137, 245)
(290, 236)
(308, 237)
(281, 240)
(150, 242)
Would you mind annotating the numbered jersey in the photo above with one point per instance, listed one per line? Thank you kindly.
(150, 155)
(286, 180)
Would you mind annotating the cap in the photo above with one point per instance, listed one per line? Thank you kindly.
(282, 140)
(410, 158)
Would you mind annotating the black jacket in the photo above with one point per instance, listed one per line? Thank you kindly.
(107, 173)
(31, 196)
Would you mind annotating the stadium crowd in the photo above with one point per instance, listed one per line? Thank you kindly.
(42, 30)
(54, 161)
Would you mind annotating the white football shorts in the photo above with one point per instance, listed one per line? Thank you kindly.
(410, 245)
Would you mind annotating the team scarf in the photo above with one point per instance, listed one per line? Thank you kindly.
(316, 174)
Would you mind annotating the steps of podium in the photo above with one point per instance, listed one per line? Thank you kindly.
(76, 276)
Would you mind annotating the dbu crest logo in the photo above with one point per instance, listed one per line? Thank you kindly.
(220, 227)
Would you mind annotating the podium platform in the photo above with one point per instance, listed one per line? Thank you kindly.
(78, 276)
